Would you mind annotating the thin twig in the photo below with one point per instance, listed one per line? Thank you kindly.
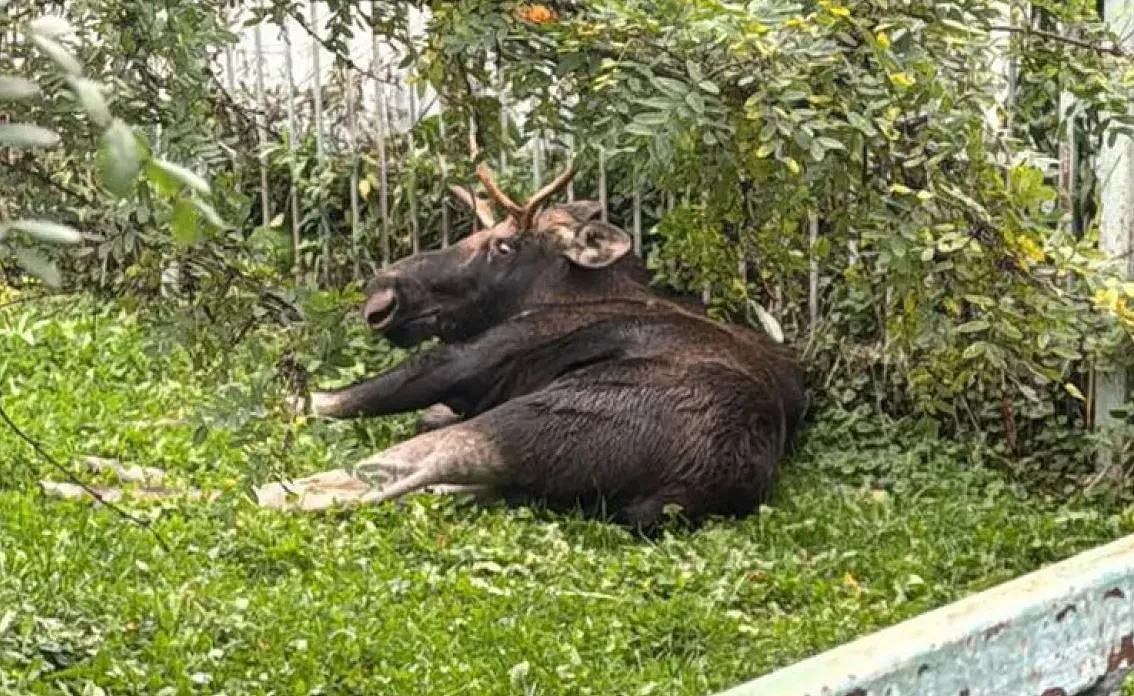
(346, 60)
(1112, 50)
(78, 482)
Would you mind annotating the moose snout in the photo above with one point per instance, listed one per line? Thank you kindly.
(380, 308)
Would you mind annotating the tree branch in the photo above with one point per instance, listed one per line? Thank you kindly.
(346, 60)
(1060, 38)
(78, 482)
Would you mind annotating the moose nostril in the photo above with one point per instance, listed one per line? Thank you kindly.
(380, 308)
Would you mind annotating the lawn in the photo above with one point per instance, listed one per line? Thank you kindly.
(433, 595)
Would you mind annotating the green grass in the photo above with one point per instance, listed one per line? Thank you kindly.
(432, 595)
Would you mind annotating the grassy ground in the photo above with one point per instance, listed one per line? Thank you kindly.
(436, 596)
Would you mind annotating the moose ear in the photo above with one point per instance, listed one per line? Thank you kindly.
(596, 244)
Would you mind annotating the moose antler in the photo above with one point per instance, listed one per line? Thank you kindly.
(522, 214)
(481, 207)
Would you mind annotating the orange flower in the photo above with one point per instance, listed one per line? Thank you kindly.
(536, 14)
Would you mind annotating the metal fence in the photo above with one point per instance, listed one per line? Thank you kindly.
(290, 63)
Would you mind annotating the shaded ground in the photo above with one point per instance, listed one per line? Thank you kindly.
(432, 595)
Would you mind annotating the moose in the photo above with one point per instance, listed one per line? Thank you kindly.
(561, 376)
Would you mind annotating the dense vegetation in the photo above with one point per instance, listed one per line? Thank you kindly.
(435, 594)
(964, 317)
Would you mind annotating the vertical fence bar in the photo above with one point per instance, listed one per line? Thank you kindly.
(380, 117)
(813, 272)
(637, 218)
(352, 139)
(411, 194)
(292, 128)
(1116, 221)
(443, 166)
(230, 70)
(602, 183)
(262, 127)
(537, 161)
(320, 148)
(707, 291)
(503, 99)
(570, 139)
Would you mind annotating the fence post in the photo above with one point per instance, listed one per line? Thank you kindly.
(262, 127)
(411, 192)
(602, 182)
(292, 127)
(380, 99)
(537, 162)
(444, 168)
(320, 148)
(637, 218)
(352, 139)
(570, 155)
(1116, 219)
(813, 274)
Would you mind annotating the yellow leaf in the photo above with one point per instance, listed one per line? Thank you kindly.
(898, 188)
(924, 195)
(850, 583)
(1074, 391)
(883, 40)
(902, 79)
(792, 165)
(839, 11)
(364, 188)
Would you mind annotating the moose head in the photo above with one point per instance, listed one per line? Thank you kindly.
(533, 255)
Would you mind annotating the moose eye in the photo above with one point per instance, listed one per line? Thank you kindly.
(502, 247)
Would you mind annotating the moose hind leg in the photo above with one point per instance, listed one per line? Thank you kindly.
(458, 457)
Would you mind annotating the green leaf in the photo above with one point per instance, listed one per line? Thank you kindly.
(974, 326)
(46, 231)
(185, 232)
(708, 86)
(672, 87)
(27, 135)
(974, 350)
(771, 326)
(14, 88)
(58, 54)
(639, 128)
(90, 96)
(695, 102)
(694, 71)
(830, 143)
(209, 213)
(39, 265)
(1066, 353)
(119, 158)
(182, 175)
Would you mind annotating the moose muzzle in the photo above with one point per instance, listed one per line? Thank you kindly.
(380, 308)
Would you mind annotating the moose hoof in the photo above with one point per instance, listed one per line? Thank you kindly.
(318, 404)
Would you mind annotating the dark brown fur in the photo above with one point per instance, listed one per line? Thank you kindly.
(584, 385)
